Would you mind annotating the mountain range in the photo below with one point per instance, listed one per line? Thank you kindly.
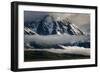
(45, 34)
(51, 26)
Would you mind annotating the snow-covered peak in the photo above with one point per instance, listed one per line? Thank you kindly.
(50, 25)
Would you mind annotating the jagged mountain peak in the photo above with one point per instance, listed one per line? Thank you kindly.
(50, 25)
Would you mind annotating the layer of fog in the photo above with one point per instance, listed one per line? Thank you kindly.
(51, 40)
(67, 50)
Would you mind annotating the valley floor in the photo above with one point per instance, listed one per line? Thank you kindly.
(50, 54)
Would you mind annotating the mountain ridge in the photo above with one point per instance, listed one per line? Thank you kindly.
(49, 26)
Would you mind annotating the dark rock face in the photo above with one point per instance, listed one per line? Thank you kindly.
(50, 26)
(46, 26)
